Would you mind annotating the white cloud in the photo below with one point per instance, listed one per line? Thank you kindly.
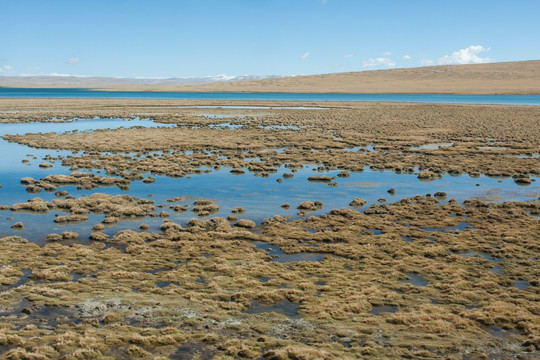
(73, 60)
(388, 53)
(59, 74)
(6, 69)
(382, 61)
(50, 74)
(466, 56)
(406, 57)
(426, 62)
(65, 75)
(303, 57)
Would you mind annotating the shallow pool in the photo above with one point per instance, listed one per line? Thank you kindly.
(262, 197)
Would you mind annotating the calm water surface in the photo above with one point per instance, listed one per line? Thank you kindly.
(421, 98)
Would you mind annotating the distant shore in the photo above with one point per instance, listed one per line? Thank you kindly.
(508, 78)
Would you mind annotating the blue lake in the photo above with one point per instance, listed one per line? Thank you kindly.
(420, 98)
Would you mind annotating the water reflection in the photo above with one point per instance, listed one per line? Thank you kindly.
(284, 307)
(77, 125)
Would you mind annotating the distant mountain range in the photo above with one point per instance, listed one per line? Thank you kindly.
(72, 81)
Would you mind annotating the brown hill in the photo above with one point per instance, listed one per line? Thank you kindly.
(521, 77)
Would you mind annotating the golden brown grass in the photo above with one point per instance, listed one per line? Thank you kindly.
(522, 77)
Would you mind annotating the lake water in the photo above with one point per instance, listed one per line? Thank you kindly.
(77, 125)
(420, 98)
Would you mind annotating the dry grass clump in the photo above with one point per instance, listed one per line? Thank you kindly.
(180, 208)
(35, 205)
(126, 237)
(110, 220)
(18, 225)
(70, 218)
(82, 180)
(13, 239)
(98, 236)
(308, 206)
(322, 178)
(245, 223)
(428, 176)
(69, 235)
(54, 237)
(112, 206)
(204, 207)
(357, 203)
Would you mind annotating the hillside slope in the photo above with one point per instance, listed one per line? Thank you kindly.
(521, 77)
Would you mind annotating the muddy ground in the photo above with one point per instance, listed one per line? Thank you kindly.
(423, 277)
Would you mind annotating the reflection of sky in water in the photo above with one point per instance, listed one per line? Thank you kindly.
(284, 307)
(261, 197)
(78, 124)
(432, 146)
(415, 280)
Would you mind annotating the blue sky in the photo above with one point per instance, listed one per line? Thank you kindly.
(166, 38)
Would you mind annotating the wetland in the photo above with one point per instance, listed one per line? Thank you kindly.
(224, 229)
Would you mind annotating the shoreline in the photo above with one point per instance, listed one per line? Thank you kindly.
(136, 89)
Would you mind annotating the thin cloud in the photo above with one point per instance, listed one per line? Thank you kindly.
(426, 62)
(73, 60)
(348, 56)
(466, 56)
(303, 57)
(6, 69)
(388, 53)
(381, 61)
(406, 57)
(54, 74)
(65, 75)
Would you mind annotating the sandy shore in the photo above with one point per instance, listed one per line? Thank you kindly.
(422, 277)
